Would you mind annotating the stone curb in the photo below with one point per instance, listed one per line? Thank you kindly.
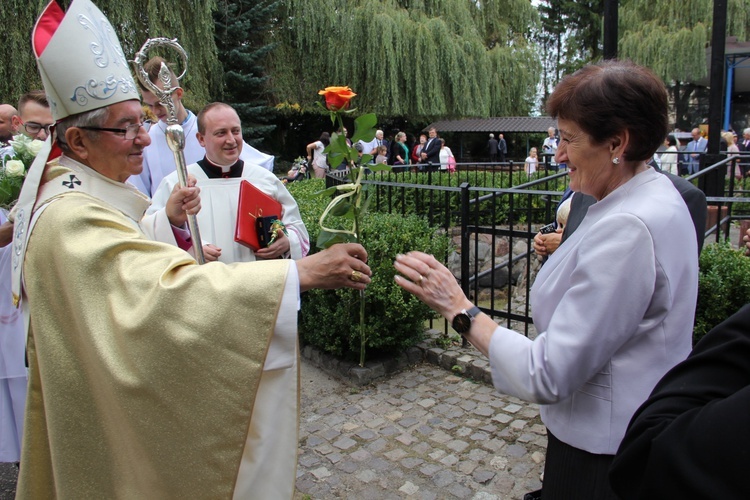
(467, 362)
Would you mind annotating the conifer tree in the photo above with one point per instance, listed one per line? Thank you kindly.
(242, 31)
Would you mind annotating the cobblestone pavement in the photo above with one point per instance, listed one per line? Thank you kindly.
(421, 434)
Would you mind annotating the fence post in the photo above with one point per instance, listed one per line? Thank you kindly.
(465, 251)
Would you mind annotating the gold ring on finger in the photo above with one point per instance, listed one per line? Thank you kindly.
(356, 276)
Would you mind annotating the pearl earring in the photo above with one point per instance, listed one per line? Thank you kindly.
(616, 160)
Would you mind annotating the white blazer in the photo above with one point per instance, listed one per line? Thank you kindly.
(614, 308)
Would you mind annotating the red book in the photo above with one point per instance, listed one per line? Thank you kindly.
(254, 204)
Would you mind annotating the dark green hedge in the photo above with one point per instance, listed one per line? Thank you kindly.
(723, 286)
(329, 319)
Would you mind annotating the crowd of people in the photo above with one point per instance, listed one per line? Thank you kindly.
(142, 364)
(402, 151)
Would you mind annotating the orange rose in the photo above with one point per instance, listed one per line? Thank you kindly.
(337, 98)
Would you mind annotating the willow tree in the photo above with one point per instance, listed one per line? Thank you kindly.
(671, 38)
(415, 58)
(135, 21)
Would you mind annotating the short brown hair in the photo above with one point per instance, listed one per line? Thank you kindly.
(607, 98)
(206, 109)
(152, 68)
(37, 96)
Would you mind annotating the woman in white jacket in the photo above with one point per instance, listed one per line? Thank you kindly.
(614, 304)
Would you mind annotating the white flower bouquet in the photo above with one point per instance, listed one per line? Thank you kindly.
(16, 161)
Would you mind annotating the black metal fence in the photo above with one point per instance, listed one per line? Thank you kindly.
(493, 227)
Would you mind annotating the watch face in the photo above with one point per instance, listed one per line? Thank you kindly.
(462, 323)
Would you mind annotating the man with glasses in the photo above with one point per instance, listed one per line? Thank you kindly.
(34, 117)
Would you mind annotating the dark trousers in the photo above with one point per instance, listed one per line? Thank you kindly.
(571, 473)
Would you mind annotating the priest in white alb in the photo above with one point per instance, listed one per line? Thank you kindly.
(219, 174)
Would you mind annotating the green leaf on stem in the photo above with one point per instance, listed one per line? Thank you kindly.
(327, 239)
(342, 209)
(364, 128)
(327, 192)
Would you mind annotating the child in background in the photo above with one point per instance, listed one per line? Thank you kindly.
(531, 162)
(562, 214)
(382, 155)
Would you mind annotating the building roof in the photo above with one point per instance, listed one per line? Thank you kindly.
(497, 124)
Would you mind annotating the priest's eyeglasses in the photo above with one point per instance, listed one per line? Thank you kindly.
(34, 127)
(130, 132)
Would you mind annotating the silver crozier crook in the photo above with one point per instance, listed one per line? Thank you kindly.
(175, 134)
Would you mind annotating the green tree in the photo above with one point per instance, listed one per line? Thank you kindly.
(671, 37)
(134, 21)
(415, 58)
(242, 33)
(570, 36)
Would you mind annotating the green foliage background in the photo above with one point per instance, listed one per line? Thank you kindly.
(329, 319)
(135, 21)
(723, 286)
(415, 58)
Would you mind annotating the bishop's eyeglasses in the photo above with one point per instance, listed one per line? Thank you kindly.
(130, 132)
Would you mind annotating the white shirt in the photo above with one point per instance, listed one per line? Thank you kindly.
(550, 145)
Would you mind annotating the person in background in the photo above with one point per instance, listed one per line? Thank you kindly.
(447, 160)
(549, 147)
(430, 153)
(670, 157)
(545, 244)
(417, 149)
(296, 173)
(219, 175)
(382, 156)
(694, 150)
(532, 161)
(744, 146)
(316, 157)
(614, 305)
(34, 117)
(7, 128)
(733, 167)
(399, 153)
(502, 148)
(492, 148)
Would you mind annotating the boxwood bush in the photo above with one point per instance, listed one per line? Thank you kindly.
(329, 319)
(723, 286)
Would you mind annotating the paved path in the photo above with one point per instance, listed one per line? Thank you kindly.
(423, 434)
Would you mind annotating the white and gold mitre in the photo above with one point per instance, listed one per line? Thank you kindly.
(80, 60)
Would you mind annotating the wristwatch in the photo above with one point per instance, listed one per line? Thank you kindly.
(463, 320)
